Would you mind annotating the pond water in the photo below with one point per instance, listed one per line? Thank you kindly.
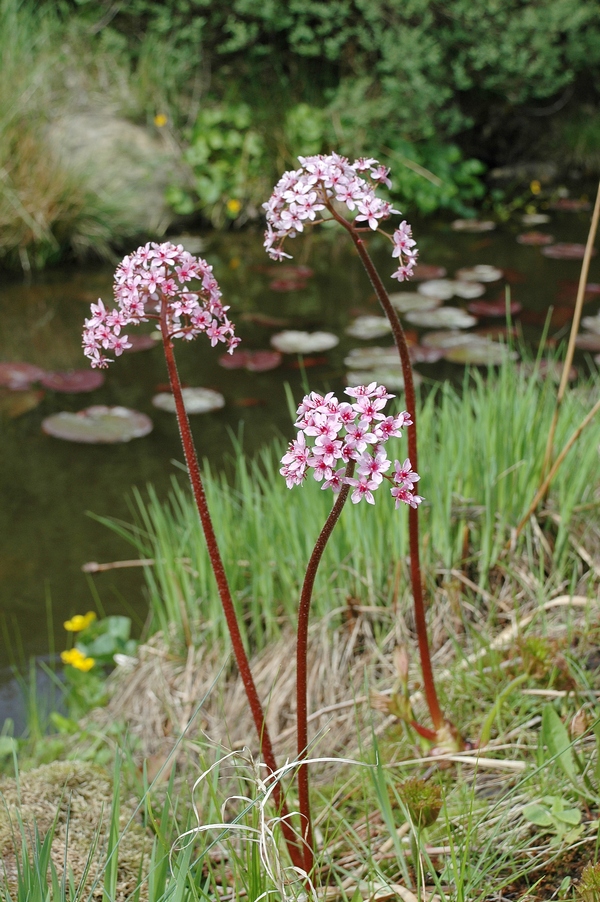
(48, 486)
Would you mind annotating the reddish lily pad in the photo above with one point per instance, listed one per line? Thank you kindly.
(473, 225)
(142, 342)
(195, 400)
(15, 404)
(423, 271)
(236, 361)
(286, 285)
(249, 402)
(422, 354)
(535, 239)
(290, 272)
(98, 425)
(483, 272)
(565, 251)
(19, 376)
(307, 362)
(560, 316)
(494, 308)
(294, 342)
(263, 319)
(571, 204)
(262, 361)
(73, 381)
(588, 341)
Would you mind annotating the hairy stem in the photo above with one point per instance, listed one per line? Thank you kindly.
(301, 666)
(218, 569)
(413, 516)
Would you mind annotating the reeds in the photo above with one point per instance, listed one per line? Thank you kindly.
(481, 459)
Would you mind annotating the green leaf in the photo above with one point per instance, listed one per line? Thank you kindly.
(538, 815)
(570, 816)
(7, 746)
(556, 739)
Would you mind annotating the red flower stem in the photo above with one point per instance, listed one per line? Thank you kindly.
(223, 587)
(301, 666)
(413, 516)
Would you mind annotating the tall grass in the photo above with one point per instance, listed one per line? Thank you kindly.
(481, 456)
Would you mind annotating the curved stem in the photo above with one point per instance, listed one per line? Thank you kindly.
(413, 516)
(301, 666)
(223, 586)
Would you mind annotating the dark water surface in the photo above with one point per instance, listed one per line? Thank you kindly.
(47, 486)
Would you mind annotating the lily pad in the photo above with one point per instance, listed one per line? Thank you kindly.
(254, 361)
(403, 301)
(424, 271)
(368, 327)
(494, 308)
(468, 290)
(473, 225)
(483, 272)
(565, 251)
(392, 378)
(293, 342)
(289, 272)
(422, 354)
(441, 289)
(535, 239)
(19, 376)
(262, 361)
(482, 352)
(195, 400)
(142, 342)
(287, 285)
(534, 218)
(98, 425)
(571, 204)
(447, 338)
(546, 369)
(443, 317)
(588, 341)
(592, 323)
(372, 358)
(14, 404)
(73, 381)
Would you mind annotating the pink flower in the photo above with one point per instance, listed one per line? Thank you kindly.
(364, 488)
(403, 494)
(155, 278)
(404, 473)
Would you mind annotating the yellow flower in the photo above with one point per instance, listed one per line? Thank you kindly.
(535, 187)
(79, 622)
(233, 206)
(77, 659)
(160, 120)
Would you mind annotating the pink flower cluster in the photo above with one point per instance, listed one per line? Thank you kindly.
(153, 276)
(301, 195)
(344, 432)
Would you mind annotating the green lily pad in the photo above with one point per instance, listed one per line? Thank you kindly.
(391, 377)
(403, 301)
(19, 376)
(98, 425)
(535, 218)
(368, 327)
(468, 290)
(449, 317)
(195, 400)
(482, 352)
(473, 225)
(441, 289)
(483, 272)
(448, 338)
(293, 342)
(592, 323)
(372, 358)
